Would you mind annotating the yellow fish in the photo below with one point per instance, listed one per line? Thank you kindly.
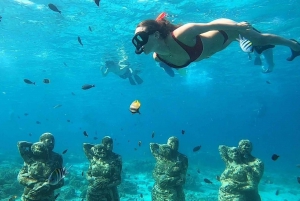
(135, 107)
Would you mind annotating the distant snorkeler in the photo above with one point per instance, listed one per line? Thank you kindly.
(180, 45)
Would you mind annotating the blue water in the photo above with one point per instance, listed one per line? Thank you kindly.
(221, 100)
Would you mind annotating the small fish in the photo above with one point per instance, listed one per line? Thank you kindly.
(198, 171)
(95, 138)
(56, 196)
(141, 195)
(65, 151)
(245, 44)
(197, 148)
(182, 132)
(275, 157)
(298, 165)
(87, 86)
(277, 192)
(135, 107)
(82, 173)
(218, 178)
(85, 134)
(268, 82)
(25, 114)
(65, 64)
(12, 198)
(38, 122)
(298, 179)
(30, 134)
(57, 106)
(97, 2)
(79, 40)
(54, 8)
(0, 18)
(153, 134)
(46, 81)
(135, 149)
(57, 175)
(140, 143)
(73, 94)
(207, 181)
(90, 28)
(28, 81)
(68, 120)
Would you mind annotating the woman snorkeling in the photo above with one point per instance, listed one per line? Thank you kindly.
(179, 45)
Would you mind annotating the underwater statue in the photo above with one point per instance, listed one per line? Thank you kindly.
(169, 172)
(39, 162)
(104, 174)
(238, 181)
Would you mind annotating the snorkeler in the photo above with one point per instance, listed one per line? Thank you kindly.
(180, 45)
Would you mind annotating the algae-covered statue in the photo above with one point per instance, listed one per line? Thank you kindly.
(169, 172)
(39, 162)
(104, 174)
(239, 180)
(257, 166)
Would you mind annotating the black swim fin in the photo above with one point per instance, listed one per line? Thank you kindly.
(138, 79)
(294, 53)
(131, 81)
(257, 61)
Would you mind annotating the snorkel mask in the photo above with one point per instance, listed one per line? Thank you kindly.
(141, 38)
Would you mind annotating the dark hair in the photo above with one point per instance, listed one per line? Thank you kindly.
(163, 26)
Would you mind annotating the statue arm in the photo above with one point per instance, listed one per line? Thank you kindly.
(116, 177)
(24, 178)
(223, 153)
(154, 148)
(87, 148)
(25, 150)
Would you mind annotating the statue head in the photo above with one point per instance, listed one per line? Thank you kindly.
(245, 147)
(48, 140)
(100, 151)
(39, 149)
(108, 142)
(173, 142)
(234, 154)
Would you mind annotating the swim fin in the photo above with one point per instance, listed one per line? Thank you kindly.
(294, 53)
(257, 61)
(131, 81)
(138, 79)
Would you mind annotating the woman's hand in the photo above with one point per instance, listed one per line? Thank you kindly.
(243, 26)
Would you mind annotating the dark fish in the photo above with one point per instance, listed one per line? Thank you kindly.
(198, 171)
(97, 2)
(218, 177)
(85, 133)
(90, 28)
(140, 143)
(28, 81)
(82, 173)
(135, 149)
(182, 132)
(65, 151)
(68, 120)
(275, 157)
(298, 179)
(65, 64)
(268, 82)
(46, 81)
(30, 134)
(87, 86)
(0, 18)
(207, 181)
(153, 134)
(141, 195)
(73, 94)
(277, 192)
(298, 165)
(57, 175)
(25, 114)
(79, 40)
(53, 7)
(56, 196)
(95, 138)
(37, 122)
(197, 148)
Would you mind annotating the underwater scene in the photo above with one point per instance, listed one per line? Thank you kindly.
(139, 100)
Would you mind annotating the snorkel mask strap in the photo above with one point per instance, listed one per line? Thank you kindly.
(161, 16)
